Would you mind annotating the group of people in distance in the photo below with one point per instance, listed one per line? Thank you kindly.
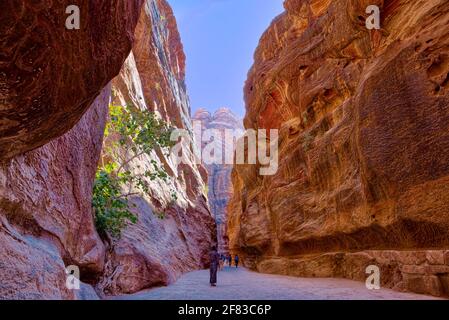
(218, 262)
(227, 260)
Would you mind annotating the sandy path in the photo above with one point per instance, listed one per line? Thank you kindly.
(241, 284)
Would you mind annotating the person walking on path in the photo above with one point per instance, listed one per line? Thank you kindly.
(214, 263)
(236, 261)
(230, 261)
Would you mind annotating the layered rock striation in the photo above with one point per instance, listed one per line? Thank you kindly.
(47, 81)
(363, 119)
(155, 250)
(50, 75)
(219, 185)
(46, 218)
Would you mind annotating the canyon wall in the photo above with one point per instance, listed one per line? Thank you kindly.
(50, 75)
(48, 80)
(363, 173)
(46, 218)
(155, 250)
(219, 186)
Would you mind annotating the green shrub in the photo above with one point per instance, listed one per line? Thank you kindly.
(129, 134)
(112, 212)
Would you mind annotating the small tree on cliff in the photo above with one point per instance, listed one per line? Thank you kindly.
(130, 134)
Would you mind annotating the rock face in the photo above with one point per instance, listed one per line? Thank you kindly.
(50, 75)
(156, 251)
(363, 116)
(220, 187)
(45, 212)
(46, 219)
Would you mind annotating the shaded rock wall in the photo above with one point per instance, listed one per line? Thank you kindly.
(156, 251)
(46, 219)
(50, 75)
(363, 118)
(219, 185)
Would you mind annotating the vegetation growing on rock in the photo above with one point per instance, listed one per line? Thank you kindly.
(130, 134)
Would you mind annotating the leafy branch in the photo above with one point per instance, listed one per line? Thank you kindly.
(130, 134)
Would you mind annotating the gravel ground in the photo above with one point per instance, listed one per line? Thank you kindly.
(241, 284)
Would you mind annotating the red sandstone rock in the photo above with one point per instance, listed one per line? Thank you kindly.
(155, 252)
(220, 188)
(401, 270)
(49, 75)
(46, 215)
(46, 219)
(363, 118)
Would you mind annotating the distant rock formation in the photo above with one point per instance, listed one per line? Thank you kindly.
(220, 188)
(364, 133)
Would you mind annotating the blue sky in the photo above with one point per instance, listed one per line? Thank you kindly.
(220, 37)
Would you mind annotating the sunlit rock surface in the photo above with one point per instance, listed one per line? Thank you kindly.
(219, 185)
(156, 251)
(364, 132)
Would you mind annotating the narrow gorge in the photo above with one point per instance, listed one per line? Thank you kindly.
(219, 186)
(363, 162)
(362, 178)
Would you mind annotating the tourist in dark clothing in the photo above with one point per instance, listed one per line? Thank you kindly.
(230, 260)
(236, 261)
(214, 263)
